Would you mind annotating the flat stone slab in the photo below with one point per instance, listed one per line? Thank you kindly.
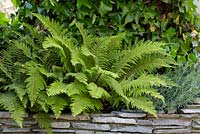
(103, 115)
(4, 115)
(129, 115)
(145, 122)
(190, 111)
(16, 130)
(114, 120)
(72, 118)
(60, 124)
(132, 129)
(193, 107)
(164, 116)
(111, 133)
(168, 127)
(168, 122)
(190, 115)
(63, 131)
(84, 132)
(90, 126)
(173, 131)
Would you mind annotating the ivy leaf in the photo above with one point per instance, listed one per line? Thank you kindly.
(16, 3)
(83, 3)
(104, 8)
(129, 18)
(169, 33)
(3, 19)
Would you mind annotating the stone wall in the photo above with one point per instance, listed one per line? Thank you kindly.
(126, 122)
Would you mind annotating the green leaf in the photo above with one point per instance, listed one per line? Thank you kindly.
(56, 88)
(85, 3)
(16, 3)
(3, 19)
(129, 18)
(104, 8)
(58, 104)
(44, 122)
(79, 76)
(10, 102)
(83, 103)
(97, 92)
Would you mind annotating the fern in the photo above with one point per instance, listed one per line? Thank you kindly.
(35, 82)
(97, 92)
(81, 77)
(54, 27)
(131, 56)
(10, 102)
(84, 103)
(44, 121)
(58, 71)
(73, 88)
(26, 50)
(144, 104)
(144, 81)
(58, 104)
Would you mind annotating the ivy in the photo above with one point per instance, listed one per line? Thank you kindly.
(169, 21)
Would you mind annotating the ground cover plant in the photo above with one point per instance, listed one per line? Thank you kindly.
(49, 73)
(187, 79)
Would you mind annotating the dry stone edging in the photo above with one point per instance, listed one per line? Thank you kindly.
(117, 122)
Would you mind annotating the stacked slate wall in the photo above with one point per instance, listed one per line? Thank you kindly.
(126, 122)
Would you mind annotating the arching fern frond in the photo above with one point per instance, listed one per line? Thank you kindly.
(35, 81)
(148, 64)
(132, 55)
(52, 26)
(44, 122)
(10, 102)
(84, 103)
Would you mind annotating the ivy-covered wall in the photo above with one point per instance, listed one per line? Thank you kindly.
(126, 122)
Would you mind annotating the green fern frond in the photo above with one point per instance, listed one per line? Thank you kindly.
(44, 122)
(51, 42)
(144, 81)
(113, 84)
(87, 39)
(10, 102)
(146, 91)
(56, 88)
(143, 104)
(97, 92)
(84, 103)
(35, 81)
(148, 64)
(65, 50)
(131, 56)
(106, 50)
(79, 76)
(24, 48)
(52, 26)
(73, 88)
(58, 104)
(76, 88)
(5, 71)
(19, 89)
(43, 102)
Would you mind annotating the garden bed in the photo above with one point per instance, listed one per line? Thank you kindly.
(187, 121)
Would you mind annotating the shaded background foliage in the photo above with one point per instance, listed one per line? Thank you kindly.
(170, 21)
